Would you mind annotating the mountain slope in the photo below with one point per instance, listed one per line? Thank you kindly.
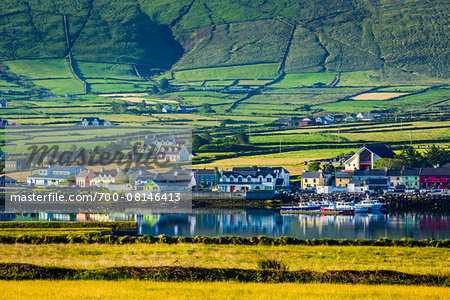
(330, 35)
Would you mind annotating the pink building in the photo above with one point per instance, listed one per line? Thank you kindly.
(435, 178)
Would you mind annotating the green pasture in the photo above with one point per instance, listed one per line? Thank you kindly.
(61, 86)
(106, 70)
(306, 79)
(256, 71)
(40, 68)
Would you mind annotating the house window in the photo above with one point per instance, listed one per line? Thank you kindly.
(269, 179)
(438, 178)
(314, 181)
(239, 179)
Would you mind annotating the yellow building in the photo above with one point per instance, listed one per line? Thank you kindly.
(313, 179)
(343, 178)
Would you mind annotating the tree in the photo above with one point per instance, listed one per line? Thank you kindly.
(329, 168)
(159, 107)
(154, 89)
(206, 108)
(118, 107)
(200, 140)
(390, 163)
(142, 105)
(164, 84)
(241, 137)
(314, 166)
(412, 157)
(435, 155)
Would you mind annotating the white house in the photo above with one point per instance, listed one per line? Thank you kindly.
(157, 141)
(3, 103)
(166, 109)
(105, 177)
(93, 121)
(356, 186)
(53, 175)
(173, 153)
(324, 120)
(365, 117)
(249, 178)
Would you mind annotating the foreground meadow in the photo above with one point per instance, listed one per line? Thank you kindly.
(427, 260)
(132, 289)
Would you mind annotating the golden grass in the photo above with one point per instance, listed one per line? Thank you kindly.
(318, 258)
(132, 289)
(378, 96)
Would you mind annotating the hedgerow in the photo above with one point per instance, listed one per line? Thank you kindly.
(219, 240)
(18, 271)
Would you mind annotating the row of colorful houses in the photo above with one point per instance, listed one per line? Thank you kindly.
(236, 180)
(380, 180)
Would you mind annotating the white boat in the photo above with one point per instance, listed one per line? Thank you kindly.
(369, 205)
(344, 208)
(309, 206)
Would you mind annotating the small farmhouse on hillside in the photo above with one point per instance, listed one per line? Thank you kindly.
(93, 121)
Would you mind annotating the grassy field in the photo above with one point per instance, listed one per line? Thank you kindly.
(40, 68)
(217, 290)
(367, 78)
(52, 231)
(318, 258)
(106, 70)
(257, 71)
(61, 86)
(294, 80)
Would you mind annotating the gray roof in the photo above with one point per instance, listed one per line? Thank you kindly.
(369, 173)
(5, 178)
(435, 171)
(394, 173)
(204, 171)
(344, 174)
(254, 171)
(64, 168)
(381, 150)
(313, 174)
(411, 172)
(373, 181)
(356, 182)
(51, 176)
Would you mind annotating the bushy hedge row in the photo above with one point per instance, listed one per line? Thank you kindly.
(220, 240)
(18, 271)
(115, 225)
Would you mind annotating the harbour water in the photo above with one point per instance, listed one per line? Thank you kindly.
(272, 223)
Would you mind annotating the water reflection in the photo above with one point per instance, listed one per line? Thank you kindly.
(271, 223)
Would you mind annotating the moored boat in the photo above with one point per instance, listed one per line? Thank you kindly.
(369, 205)
(309, 206)
(344, 208)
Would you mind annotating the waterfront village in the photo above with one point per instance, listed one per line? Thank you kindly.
(354, 174)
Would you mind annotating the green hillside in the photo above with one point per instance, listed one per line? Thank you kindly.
(409, 37)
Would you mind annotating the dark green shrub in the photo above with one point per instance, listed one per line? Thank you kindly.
(270, 264)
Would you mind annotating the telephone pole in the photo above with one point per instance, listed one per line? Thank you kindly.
(280, 147)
